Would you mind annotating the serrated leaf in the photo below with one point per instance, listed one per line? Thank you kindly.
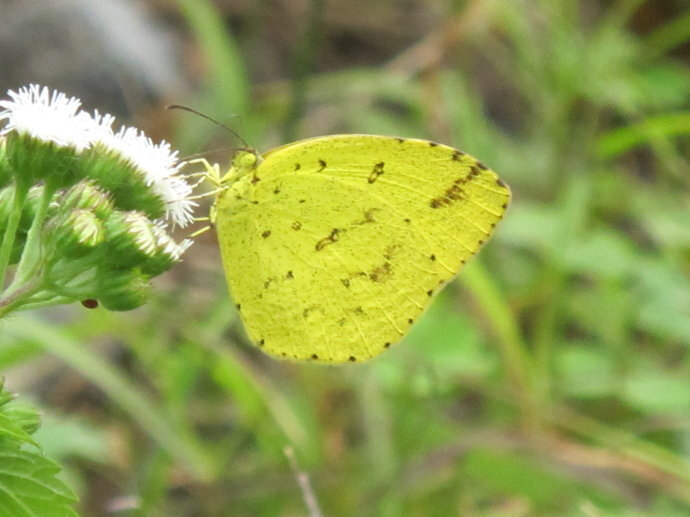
(29, 488)
(10, 429)
(28, 483)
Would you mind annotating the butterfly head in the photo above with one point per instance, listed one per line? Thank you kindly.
(245, 159)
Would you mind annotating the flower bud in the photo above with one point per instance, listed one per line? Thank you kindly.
(168, 252)
(123, 290)
(79, 232)
(130, 239)
(85, 195)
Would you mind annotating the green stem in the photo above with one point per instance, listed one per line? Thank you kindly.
(11, 300)
(623, 441)
(11, 231)
(545, 333)
(512, 348)
(51, 301)
(132, 399)
(31, 254)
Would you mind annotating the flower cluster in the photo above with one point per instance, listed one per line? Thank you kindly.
(85, 210)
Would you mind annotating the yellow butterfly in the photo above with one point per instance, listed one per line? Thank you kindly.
(333, 246)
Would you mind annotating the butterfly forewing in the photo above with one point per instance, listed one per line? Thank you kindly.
(336, 245)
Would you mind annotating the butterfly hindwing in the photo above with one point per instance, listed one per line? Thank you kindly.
(335, 245)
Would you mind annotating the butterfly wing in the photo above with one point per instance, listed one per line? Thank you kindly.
(336, 245)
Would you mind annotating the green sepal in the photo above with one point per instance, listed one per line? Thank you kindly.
(30, 206)
(5, 171)
(130, 239)
(162, 260)
(31, 161)
(123, 290)
(122, 180)
(75, 278)
(77, 233)
(86, 195)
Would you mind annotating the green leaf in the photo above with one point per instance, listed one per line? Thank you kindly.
(617, 141)
(603, 253)
(29, 486)
(585, 371)
(12, 430)
(28, 483)
(657, 392)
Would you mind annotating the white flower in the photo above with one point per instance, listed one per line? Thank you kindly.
(167, 245)
(51, 116)
(47, 116)
(158, 162)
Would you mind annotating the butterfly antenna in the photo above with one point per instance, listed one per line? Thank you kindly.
(204, 153)
(191, 110)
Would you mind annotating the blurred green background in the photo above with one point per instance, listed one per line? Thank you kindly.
(552, 378)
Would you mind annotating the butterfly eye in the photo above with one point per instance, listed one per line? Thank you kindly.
(245, 160)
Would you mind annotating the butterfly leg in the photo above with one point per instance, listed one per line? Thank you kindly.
(200, 231)
(212, 172)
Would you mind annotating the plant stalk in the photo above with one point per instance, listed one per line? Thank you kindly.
(10, 235)
(31, 254)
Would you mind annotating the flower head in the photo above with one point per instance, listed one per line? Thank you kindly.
(47, 116)
(158, 163)
(93, 204)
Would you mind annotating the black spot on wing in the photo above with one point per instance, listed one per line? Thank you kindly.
(455, 192)
(381, 273)
(333, 237)
(368, 217)
(376, 172)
